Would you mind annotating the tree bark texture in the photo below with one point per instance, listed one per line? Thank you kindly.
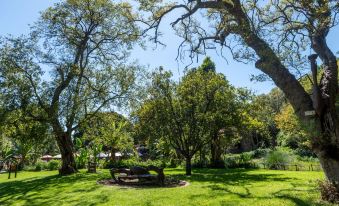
(188, 166)
(324, 125)
(65, 145)
(216, 152)
(113, 154)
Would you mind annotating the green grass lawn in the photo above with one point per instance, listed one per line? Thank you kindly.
(207, 187)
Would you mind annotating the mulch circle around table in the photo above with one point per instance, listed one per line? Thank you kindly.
(168, 183)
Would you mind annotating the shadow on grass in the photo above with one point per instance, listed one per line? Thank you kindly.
(47, 190)
(284, 194)
(220, 181)
(75, 189)
(237, 177)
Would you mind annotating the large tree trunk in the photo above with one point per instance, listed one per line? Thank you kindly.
(331, 168)
(66, 148)
(326, 146)
(325, 140)
(112, 154)
(324, 102)
(325, 137)
(216, 152)
(188, 166)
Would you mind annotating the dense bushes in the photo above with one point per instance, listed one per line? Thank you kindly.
(298, 142)
(243, 160)
(53, 165)
(133, 162)
(42, 165)
(273, 159)
(246, 159)
(279, 157)
(261, 152)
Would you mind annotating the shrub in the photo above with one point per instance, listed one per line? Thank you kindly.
(328, 192)
(243, 160)
(246, 158)
(305, 151)
(102, 163)
(296, 141)
(197, 162)
(277, 158)
(81, 160)
(173, 163)
(40, 165)
(157, 163)
(29, 168)
(231, 161)
(134, 162)
(53, 165)
(108, 165)
(261, 152)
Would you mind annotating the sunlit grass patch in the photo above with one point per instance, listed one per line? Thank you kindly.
(207, 187)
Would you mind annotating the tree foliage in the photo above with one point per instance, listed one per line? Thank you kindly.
(188, 114)
(111, 130)
(274, 35)
(83, 45)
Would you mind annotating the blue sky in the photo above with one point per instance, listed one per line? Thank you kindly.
(16, 15)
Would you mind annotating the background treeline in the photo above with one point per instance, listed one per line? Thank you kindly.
(200, 120)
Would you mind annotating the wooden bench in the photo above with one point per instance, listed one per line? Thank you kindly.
(138, 175)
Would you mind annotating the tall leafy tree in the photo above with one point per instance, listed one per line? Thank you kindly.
(84, 46)
(265, 107)
(273, 35)
(190, 114)
(291, 132)
(223, 116)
